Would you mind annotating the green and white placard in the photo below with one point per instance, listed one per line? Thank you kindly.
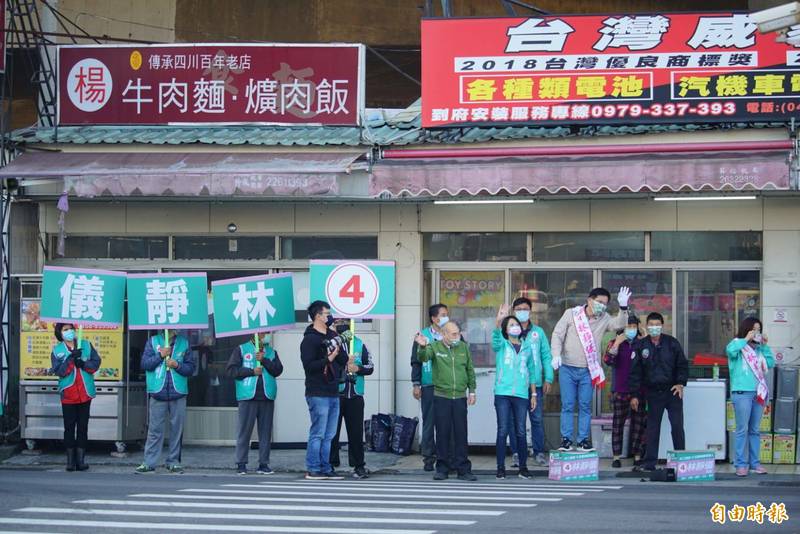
(253, 304)
(354, 288)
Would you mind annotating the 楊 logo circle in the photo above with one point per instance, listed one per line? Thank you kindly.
(89, 84)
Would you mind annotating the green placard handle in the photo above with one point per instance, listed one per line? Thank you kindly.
(166, 343)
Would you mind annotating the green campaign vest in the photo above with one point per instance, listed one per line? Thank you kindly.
(358, 347)
(157, 378)
(427, 367)
(62, 352)
(246, 387)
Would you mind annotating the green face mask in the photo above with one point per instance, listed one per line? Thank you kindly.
(598, 308)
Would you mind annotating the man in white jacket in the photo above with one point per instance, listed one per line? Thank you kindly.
(576, 349)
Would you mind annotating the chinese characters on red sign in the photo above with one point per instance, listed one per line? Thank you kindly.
(181, 84)
(606, 69)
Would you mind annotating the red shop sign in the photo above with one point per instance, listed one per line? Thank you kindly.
(606, 69)
(211, 83)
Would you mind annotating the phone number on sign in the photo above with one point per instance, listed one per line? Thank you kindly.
(661, 110)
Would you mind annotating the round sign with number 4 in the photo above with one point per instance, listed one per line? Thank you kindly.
(352, 289)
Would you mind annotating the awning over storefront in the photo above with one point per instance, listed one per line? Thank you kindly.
(673, 172)
(92, 174)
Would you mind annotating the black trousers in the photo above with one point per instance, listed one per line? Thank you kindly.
(657, 402)
(451, 424)
(352, 411)
(76, 421)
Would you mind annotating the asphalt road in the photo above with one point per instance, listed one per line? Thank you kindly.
(56, 501)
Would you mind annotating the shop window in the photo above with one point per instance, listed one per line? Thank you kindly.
(588, 246)
(710, 306)
(329, 247)
(706, 246)
(552, 293)
(475, 247)
(224, 248)
(210, 386)
(652, 292)
(473, 298)
(114, 247)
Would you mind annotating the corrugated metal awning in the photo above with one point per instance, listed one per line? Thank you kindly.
(116, 174)
(716, 171)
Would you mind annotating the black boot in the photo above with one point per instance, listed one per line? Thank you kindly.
(80, 457)
(70, 459)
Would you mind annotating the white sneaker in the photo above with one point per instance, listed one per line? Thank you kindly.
(515, 460)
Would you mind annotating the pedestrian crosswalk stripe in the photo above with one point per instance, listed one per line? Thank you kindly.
(236, 516)
(105, 525)
(247, 496)
(519, 489)
(463, 494)
(479, 483)
(237, 506)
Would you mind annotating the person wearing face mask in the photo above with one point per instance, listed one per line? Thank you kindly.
(576, 340)
(323, 364)
(661, 367)
(515, 386)
(619, 355)
(454, 387)
(422, 379)
(351, 402)
(540, 348)
(254, 372)
(75, 367)
(749, 359)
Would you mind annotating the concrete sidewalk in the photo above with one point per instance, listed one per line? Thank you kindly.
(216, 459)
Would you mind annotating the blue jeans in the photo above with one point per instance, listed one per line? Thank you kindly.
(537, 426)
(748, 420)
(576, 386)
(324, 413)
(511, 423)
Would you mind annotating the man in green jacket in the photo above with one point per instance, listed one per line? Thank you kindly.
(453, 376)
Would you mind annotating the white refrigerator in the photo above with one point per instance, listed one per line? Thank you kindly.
(703, 419)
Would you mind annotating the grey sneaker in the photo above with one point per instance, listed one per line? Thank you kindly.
(175, 469)
(514, 460)
(540, 460)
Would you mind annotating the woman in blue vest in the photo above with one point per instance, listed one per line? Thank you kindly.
(516, 380)
(351, 403)
(75, 367)
(255, 372)
(168, 366)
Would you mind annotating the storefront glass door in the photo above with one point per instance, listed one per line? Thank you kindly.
(710, 306)
(552, 293)
(652, 292)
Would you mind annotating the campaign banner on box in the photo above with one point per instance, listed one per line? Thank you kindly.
(606, 69)
(228, 83)
(691, 466)
(253, 304)
(167, 300)
(85, 297)
(37, 340)
(354, 288)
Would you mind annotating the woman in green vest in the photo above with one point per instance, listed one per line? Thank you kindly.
(74, 362)
(255, 371)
